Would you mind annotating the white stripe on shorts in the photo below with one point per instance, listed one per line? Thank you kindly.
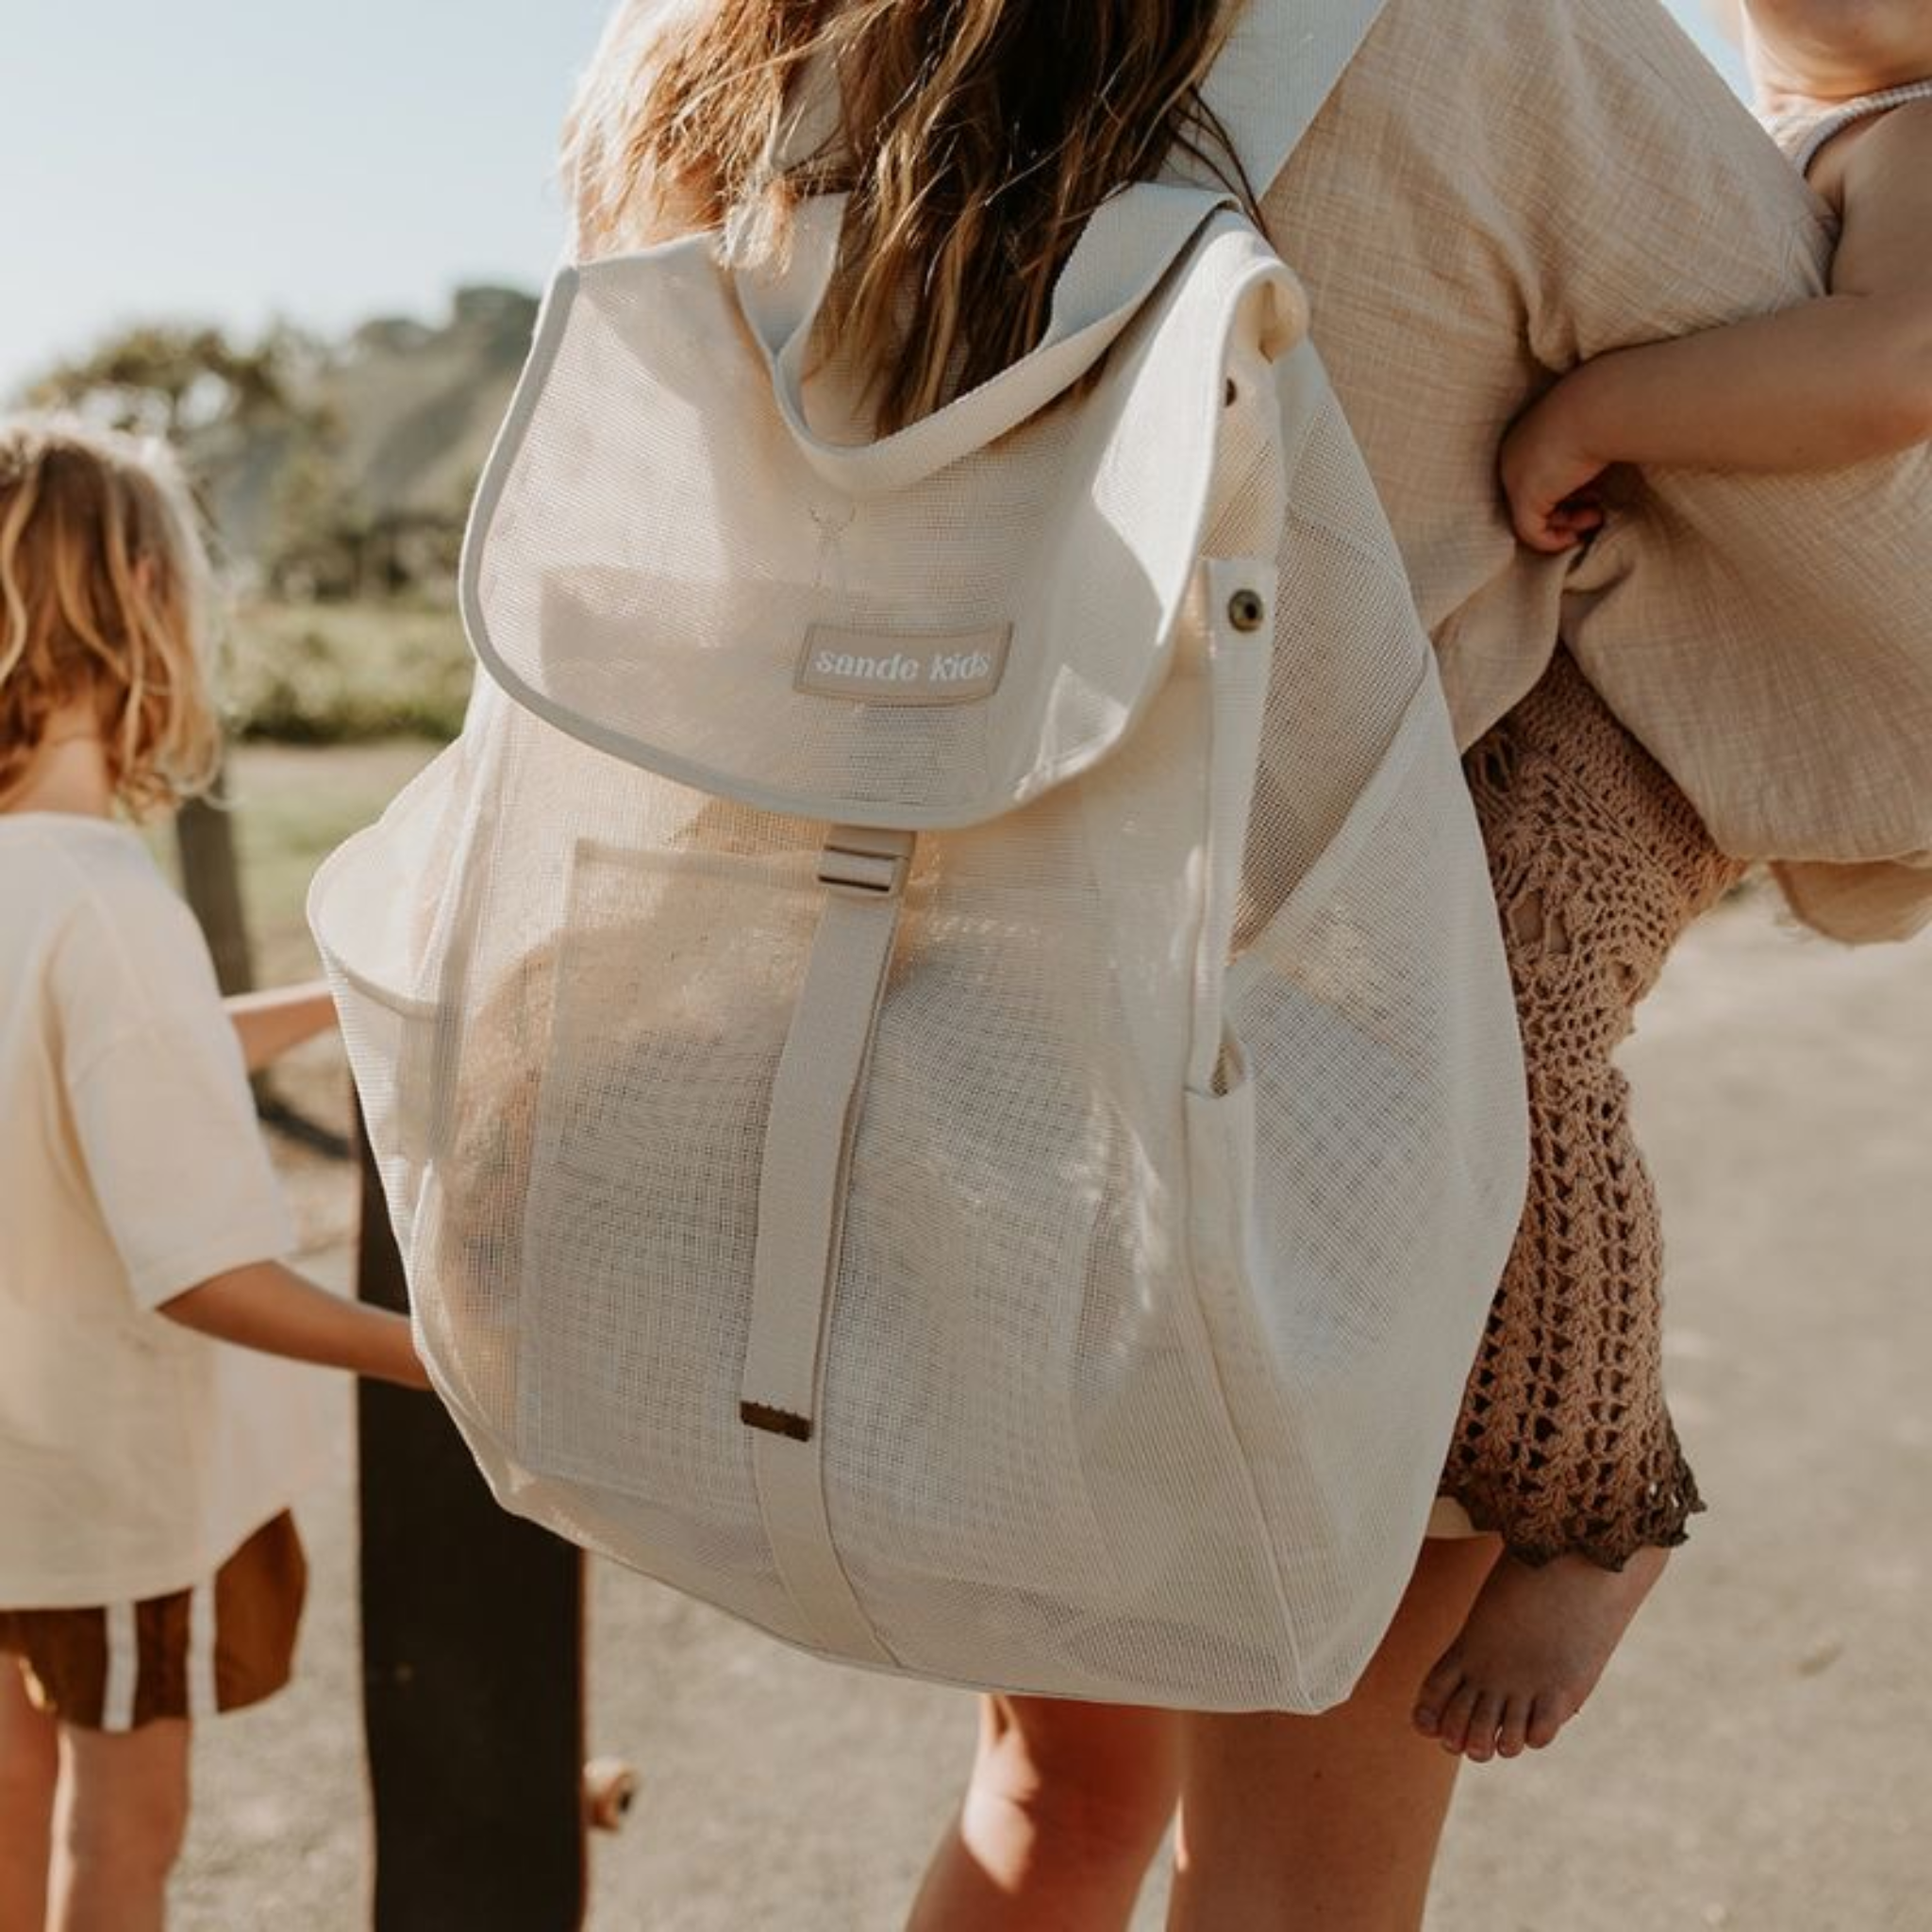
(124, 1668)
(201, 1651)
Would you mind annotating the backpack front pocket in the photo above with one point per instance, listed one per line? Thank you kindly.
(676, 976)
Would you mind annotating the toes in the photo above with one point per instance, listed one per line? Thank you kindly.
(1479, 1743)
(1512, 1730)
(1432, 1700)
(1548, 1715)
(1453, 1730)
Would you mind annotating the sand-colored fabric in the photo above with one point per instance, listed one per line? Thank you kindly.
(1565, 1444)
(1494, 193)
(135, 1453)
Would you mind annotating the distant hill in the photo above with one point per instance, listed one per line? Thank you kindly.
(412, 408)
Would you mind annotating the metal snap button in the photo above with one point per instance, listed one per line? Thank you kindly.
(1246, 612)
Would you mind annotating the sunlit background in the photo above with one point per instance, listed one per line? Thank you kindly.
(230, 160)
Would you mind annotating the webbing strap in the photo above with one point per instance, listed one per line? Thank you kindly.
(814, 1112)
(791, 1500)
(1274, 76)
(1129, 245)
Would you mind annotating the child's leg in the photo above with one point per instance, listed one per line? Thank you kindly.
(1584, 1471)
(123, 1682)
(29, 1766)
(122, 1817)
(1565, 1444)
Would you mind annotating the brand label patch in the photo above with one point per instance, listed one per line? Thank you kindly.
(881, 668)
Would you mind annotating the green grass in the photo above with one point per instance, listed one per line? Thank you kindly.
(332, 708)
(346, 673)
(295, 807)
(292, 808)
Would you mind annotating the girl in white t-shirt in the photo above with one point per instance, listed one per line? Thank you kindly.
(149, 1572)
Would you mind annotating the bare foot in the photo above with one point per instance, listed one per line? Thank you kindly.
(1536, 1642)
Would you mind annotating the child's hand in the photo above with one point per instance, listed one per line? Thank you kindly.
(269, 1024)
(1549, 475)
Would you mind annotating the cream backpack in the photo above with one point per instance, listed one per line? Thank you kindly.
(939, 1047)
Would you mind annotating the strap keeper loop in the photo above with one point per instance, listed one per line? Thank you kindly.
(864, 862)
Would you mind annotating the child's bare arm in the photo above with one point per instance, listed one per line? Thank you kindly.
(1886, 246)
(1818, 387)
(269, 1024)
(267, 1306)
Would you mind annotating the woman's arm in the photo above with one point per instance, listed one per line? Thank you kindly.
(1818, 387)
(267, 1306)
(269, 1024)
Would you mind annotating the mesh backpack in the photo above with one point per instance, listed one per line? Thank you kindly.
(939, 1047)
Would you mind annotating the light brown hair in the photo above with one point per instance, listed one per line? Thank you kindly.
(975, 138)
(104, 602)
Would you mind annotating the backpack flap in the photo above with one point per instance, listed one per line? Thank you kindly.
(674, 559)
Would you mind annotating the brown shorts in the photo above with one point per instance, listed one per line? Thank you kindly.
(228, 1643)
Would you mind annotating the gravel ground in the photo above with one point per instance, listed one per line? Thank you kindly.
(1760, 1757)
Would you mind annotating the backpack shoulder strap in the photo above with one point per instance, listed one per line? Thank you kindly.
(1278, 68)
(1275, 76)
(1126, 249)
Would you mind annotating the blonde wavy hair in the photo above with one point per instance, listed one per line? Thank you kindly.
(974, 136)
(105, 601)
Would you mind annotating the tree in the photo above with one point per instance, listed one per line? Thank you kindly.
(318, 528)
(179, 382)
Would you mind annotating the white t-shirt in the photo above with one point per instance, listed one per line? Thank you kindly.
(135, 1456)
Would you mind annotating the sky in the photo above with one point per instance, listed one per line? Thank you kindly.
(235, 160)
(239, 159)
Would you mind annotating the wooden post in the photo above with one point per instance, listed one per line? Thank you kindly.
(211, 883)
(472, 1684)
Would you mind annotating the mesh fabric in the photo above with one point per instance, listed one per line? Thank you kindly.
(1191, 1137)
